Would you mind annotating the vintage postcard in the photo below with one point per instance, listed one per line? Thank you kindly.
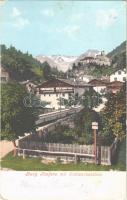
(63, 100)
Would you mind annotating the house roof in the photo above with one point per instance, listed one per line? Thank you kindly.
(54, 83)
(115, 84)
(63, 83)
(87, 57)
(96, 82)
(123, 70)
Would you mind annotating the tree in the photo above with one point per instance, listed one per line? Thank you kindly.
(46, 70)
(91, 99)
(114, 114)
(71, 101)
(16, 118)
(83, 124)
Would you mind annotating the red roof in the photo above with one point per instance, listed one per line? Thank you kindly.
(115, 84)
(96, 82)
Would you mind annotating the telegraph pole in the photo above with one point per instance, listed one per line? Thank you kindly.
(95, 127)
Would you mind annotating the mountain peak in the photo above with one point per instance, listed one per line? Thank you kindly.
(63, 63)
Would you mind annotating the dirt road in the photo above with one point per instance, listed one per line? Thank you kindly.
(5, 147)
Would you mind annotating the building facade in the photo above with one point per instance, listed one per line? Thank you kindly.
(114, 86)
(99, 86)
(119, 75)
(52, 91)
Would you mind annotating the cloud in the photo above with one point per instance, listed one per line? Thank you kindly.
(48, 13)
(15, 12)
(77, 16)
(70, 30)
(21, 22)
(105, 18)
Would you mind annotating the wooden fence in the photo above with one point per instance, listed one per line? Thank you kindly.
(85, 153)
(56, 147)
(113, 149)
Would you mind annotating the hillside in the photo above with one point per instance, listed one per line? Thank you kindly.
(118, 57)
(118, 50)
(21, 66)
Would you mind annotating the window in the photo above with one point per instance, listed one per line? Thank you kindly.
(124, 78)
(119, 72)
(115, 79)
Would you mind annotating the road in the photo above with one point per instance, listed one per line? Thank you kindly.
(5, 147)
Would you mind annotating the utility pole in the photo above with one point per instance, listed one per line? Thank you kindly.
(95, 127)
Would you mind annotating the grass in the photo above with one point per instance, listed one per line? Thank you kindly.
(34, 164)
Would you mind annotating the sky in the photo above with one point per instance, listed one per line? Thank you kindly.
(62, 27)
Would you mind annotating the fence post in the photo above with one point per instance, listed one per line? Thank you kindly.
(24, 154)
(99, 154)
(75, 158)
(109, 156)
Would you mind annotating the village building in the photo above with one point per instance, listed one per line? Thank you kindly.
(4, 75)
(103, 86)
(53, 90)
(114, 87)
(119, 75)
(99, 86)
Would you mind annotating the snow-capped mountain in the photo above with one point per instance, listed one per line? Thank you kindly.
(63, 63)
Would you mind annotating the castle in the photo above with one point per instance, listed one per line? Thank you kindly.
(98, 59)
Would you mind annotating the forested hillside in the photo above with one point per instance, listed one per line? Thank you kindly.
(118, 61)
(21, 66)
(118, 50)
(118, 56)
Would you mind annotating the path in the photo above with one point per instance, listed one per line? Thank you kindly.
(5, 147)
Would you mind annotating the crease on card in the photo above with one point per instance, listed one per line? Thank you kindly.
(2, 198)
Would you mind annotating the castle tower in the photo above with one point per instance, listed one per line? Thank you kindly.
(102, 53)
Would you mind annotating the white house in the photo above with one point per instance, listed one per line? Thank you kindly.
(98, 85)
(119, 75)
(53, 90)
